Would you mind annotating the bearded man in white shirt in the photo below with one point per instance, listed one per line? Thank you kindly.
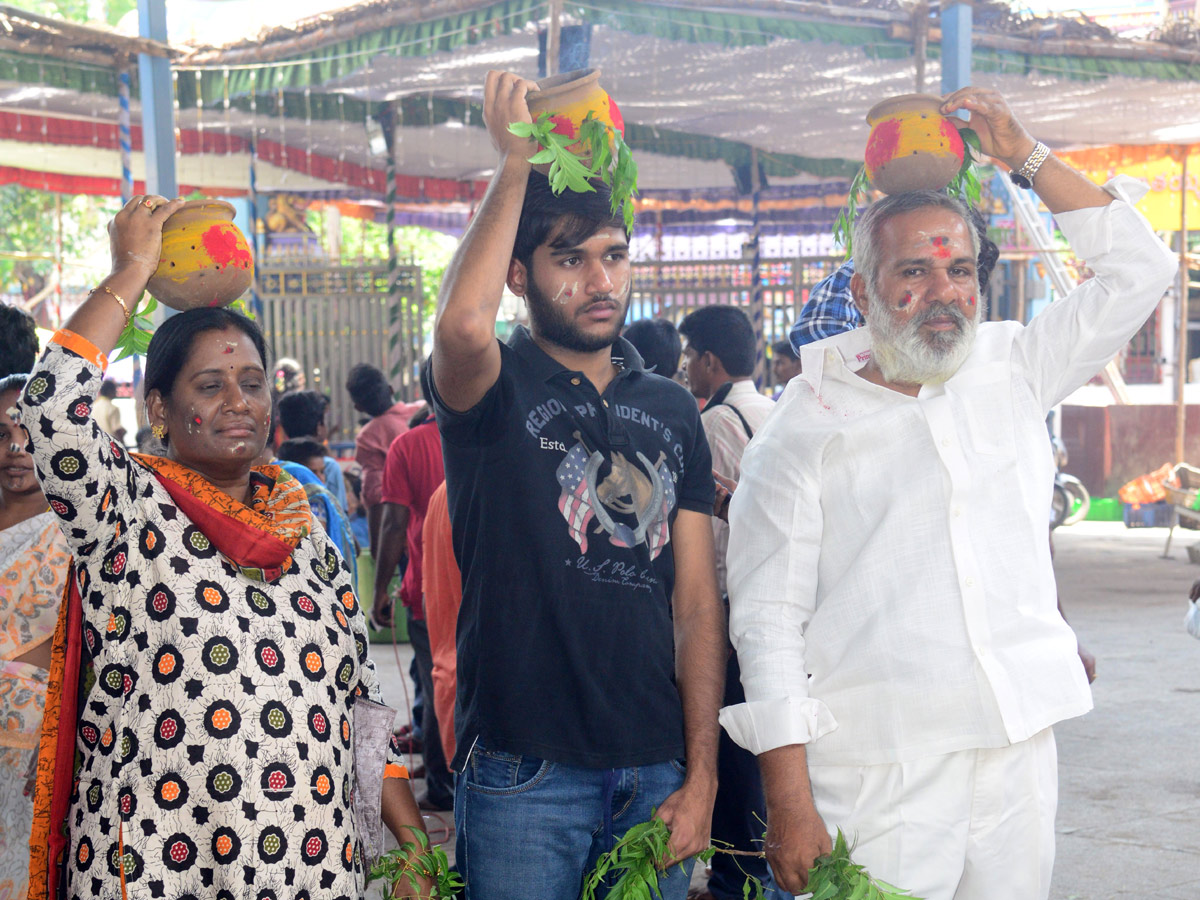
(893, 601)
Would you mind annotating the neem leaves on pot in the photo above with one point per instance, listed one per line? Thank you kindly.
(582, 135)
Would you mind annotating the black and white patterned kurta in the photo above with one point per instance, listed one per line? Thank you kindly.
(216, 741)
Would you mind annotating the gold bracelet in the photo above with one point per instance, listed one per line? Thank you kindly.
(117, 297)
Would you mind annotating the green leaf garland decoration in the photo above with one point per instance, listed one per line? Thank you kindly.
(610, 160)
(965, 186)
(135, 337)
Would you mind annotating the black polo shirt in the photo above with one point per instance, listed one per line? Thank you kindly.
(562, 501)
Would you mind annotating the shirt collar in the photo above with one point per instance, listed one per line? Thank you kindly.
(846, 352)
(545, 366)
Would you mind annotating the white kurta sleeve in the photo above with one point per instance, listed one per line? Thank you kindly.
(1074, 338)
(775, 538)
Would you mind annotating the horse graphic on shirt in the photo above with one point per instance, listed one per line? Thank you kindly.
(645, 491)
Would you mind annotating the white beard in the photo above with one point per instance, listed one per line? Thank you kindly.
(906, 356)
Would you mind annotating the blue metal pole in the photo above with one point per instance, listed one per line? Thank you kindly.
(956, 46)
(158, 114)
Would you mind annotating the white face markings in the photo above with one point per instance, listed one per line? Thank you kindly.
(565, 293)
(619, 293)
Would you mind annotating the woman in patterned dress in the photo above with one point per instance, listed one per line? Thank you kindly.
(228, 649)
(34, 562)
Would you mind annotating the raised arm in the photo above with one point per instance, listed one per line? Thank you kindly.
(466, 357)
(135, 242)
(1004, 138)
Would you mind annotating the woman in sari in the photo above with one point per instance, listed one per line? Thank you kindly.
(228, 717)
(34, 566)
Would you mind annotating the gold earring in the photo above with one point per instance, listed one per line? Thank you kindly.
(159, 431)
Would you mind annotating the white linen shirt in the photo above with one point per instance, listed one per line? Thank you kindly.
(892, 595)
(727, 441)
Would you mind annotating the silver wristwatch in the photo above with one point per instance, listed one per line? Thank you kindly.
(1023, 177)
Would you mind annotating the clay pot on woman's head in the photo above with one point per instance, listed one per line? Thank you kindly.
(205, 259)
(912, 146)
(569, 98)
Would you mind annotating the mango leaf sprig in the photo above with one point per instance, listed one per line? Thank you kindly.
(609, 156)
(135, 336)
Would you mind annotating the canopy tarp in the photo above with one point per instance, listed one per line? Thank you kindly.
(699, 84)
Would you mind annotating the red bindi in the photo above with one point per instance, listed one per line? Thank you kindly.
(197, 420)
(906, 299)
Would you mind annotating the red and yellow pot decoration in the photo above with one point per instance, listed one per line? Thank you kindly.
(205, 258)
(581, 133)
(570, 98)
(912, 146)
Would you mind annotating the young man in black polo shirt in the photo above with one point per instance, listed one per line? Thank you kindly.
(591, 636)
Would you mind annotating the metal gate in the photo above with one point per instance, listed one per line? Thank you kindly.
(330, 318)
(671, 290)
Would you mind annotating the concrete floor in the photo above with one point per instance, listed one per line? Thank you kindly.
(1129, 801)
(1129, 796)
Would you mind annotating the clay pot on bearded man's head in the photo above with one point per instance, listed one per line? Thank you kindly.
(912, 146)
(205, 259)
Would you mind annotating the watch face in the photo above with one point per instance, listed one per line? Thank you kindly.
(1020, 180)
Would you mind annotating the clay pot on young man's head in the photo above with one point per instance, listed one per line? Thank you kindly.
(912, 146)
(569, 98)
(205, 259)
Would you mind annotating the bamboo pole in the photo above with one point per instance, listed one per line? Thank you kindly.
(1088, 49)
(1182, 324)
(58, 261)
(920, 42)
(72, 35)
(554, 37)
(756, 292)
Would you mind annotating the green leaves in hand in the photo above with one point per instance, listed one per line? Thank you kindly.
(414, 861)
(837, 877)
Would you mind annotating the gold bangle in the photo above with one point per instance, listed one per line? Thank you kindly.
(117, 297)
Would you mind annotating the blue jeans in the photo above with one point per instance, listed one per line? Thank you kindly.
(529, 829)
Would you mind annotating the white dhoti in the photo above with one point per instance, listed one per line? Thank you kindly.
(971, 825)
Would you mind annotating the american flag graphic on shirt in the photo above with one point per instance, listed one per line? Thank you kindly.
(573, 502)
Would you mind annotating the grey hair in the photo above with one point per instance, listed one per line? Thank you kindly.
(869, 222)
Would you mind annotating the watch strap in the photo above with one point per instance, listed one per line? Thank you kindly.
(1023, 177)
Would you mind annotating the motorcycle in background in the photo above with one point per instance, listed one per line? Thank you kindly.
(1071, 501)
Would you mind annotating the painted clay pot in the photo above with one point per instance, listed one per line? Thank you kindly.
(205, 259)
(912, 146)
(569, 98)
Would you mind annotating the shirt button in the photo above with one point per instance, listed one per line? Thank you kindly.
(945, 442)
(575, 381)
(605, 402)
(957, 511)
(970, 582)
